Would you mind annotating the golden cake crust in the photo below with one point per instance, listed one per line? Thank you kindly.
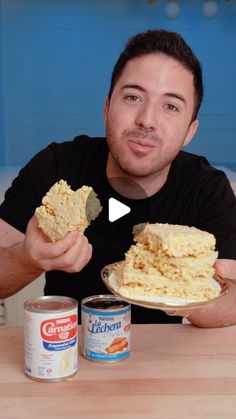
(65, 210)
(173, 239)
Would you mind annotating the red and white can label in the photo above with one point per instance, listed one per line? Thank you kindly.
(51, 345)
(59, 334)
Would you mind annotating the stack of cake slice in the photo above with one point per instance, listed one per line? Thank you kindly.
(169, 260)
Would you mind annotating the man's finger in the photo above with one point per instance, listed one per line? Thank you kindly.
(226, 268)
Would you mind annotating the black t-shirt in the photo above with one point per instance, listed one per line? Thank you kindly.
(195, 194)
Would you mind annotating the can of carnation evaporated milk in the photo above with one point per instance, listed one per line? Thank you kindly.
(51, 338)
(106, 324)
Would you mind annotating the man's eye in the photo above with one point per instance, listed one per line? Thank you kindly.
(172, 108)
(132, 98)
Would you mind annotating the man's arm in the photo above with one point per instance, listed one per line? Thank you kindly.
(14, 273)
(24, 257)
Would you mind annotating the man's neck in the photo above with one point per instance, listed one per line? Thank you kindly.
(135, 187)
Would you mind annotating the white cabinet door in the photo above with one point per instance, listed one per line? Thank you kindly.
(14, 305)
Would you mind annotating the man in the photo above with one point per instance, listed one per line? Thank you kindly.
(150, 114)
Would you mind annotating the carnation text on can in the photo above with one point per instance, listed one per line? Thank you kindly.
(51, 338)
(106, 324)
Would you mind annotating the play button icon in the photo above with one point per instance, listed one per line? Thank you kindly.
(116, 209)
(124, 205)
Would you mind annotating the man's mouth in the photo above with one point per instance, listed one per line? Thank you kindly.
(141, 141)
(140, 146)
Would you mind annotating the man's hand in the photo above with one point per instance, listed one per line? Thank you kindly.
(226, 268)
(69, 254)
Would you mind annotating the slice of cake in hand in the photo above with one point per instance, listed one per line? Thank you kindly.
(65, 210)
(169, 260)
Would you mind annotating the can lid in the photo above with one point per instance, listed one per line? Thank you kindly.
(50, 303)
(104, 302)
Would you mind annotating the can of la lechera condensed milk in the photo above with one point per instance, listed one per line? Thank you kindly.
(106, 328)
(51, 338)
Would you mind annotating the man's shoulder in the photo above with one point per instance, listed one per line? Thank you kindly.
(81, 142)
(193, 163)
(196, 169)
(89, 141)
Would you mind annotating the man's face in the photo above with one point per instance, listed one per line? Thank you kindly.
(148, 118)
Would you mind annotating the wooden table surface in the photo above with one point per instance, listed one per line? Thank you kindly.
(175, 371)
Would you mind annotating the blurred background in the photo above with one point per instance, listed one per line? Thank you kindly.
(56, 58)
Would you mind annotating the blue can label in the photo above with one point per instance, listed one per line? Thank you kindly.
(106, 333)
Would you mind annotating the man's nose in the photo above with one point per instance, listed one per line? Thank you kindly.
(147, 117)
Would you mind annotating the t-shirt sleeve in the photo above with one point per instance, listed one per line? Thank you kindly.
(28, 188)
(217, 213)
(64, 160)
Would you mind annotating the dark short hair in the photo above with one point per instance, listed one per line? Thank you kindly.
(165, 42)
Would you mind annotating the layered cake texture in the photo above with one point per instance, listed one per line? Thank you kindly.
(65, 210)
(169, 260)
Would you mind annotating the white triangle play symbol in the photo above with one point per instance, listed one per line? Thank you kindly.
(116, 209)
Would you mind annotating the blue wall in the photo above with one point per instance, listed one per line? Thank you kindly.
(2, 138)
(56, 58)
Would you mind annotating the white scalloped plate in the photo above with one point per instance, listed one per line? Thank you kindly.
(109, 278)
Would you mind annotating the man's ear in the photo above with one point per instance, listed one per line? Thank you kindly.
(106, 108)
(191, 132)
